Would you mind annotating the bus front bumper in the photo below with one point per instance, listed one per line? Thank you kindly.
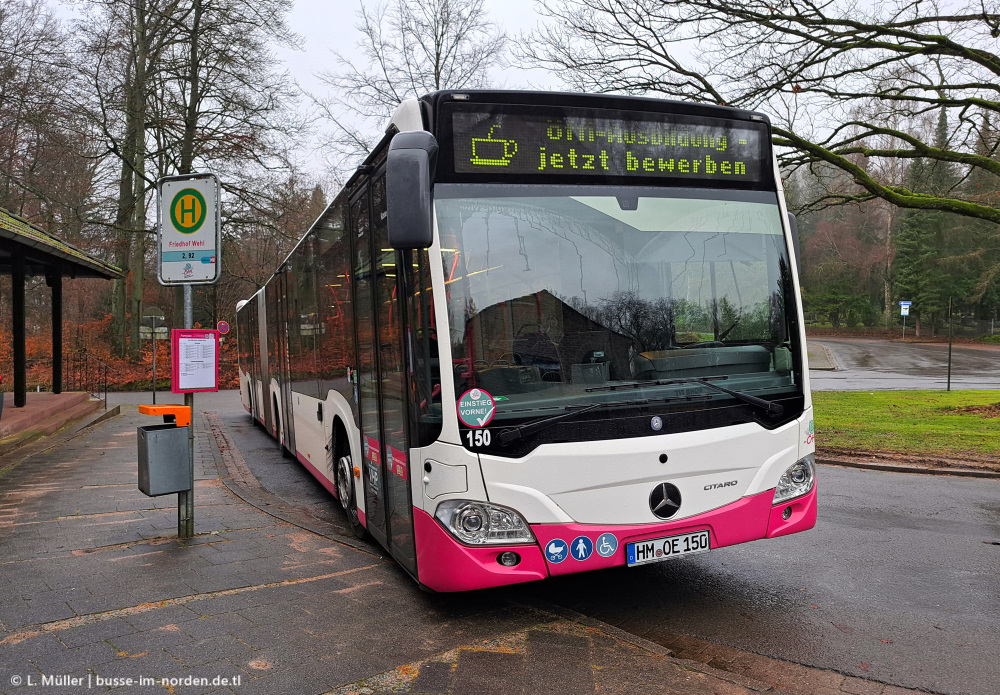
(444, 564)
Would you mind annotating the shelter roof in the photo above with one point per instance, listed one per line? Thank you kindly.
(45, 253)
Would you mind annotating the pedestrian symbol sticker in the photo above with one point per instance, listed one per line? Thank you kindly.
(607, 544)
(188, 211)
(476, 408)
(582, 548)
(555, 551)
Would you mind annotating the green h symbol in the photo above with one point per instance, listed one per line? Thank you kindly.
(185, 210)
(188, 211)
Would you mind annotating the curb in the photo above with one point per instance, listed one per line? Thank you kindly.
(240, 480)
(832, 364)
(919, 470)
(38, 443)
(831, 357)
(643, 643)
(106, 415)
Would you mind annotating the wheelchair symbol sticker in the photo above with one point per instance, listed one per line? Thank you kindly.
(607, 544)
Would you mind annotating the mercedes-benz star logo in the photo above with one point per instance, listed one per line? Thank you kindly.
(665, 500)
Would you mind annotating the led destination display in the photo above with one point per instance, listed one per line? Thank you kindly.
(590, 143)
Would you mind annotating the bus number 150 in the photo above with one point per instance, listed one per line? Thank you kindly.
(478, 437)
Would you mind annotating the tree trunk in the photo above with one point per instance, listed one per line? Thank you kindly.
(194, 95)
(191, 114)
(138, 281)
(138, 133)
(887, 279)
(123, 246)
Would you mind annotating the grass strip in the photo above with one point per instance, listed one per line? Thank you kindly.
(926, 423)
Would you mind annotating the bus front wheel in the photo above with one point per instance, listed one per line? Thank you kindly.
(346, 493)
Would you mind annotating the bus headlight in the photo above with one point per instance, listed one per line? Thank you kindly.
(479, 523)
(797, 480)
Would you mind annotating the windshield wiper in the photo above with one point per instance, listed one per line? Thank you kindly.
(509, 435)
(734, 324)
(769, 406)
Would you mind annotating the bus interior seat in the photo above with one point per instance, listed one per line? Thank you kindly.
(585, 356)
(514, 379)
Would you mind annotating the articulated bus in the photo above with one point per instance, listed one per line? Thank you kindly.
(542, 333)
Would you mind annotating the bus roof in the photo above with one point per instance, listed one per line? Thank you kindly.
(582, 99)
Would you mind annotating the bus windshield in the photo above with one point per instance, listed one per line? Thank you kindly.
(564, 297)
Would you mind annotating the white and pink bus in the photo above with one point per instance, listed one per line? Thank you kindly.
(538, 334)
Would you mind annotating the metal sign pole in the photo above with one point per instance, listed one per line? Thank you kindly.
(153, 315)
(154, 361)
(950, 334)
(185, 500)
(189, 253)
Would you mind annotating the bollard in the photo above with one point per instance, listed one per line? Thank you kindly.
(165, 465)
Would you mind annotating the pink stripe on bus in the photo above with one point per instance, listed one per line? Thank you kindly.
(803, 516)
(443, 564)
(739, 522)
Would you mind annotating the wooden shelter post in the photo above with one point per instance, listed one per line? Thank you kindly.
(18, 316)
(55, 282)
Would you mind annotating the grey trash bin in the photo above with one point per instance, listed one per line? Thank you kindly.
(163, 460)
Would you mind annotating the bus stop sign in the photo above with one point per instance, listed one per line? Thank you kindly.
(189, 229)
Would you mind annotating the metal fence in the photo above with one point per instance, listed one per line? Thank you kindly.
(84, 372)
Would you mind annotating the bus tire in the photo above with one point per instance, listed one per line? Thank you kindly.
(347, 495)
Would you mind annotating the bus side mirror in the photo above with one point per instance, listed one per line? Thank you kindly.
(793, 225)
(408, 175)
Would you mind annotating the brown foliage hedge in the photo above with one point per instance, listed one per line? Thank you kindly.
(91, 338)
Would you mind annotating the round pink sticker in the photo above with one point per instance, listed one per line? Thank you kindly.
(476, 408)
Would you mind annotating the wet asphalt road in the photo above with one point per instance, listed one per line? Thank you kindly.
(899, 582)
(866, 363)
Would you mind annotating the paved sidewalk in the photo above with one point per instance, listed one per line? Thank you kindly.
(95, 586)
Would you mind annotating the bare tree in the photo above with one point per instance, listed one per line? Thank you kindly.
(408, 48)
(221, 102)
(175, 84)
(124, 44)
(35, 119)
(847, 84)
(220, 98)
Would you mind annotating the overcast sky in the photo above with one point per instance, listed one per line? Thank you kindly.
(326, 25)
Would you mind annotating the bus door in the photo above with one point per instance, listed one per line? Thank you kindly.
(267, 332)
(381, 376)
(284, 367)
